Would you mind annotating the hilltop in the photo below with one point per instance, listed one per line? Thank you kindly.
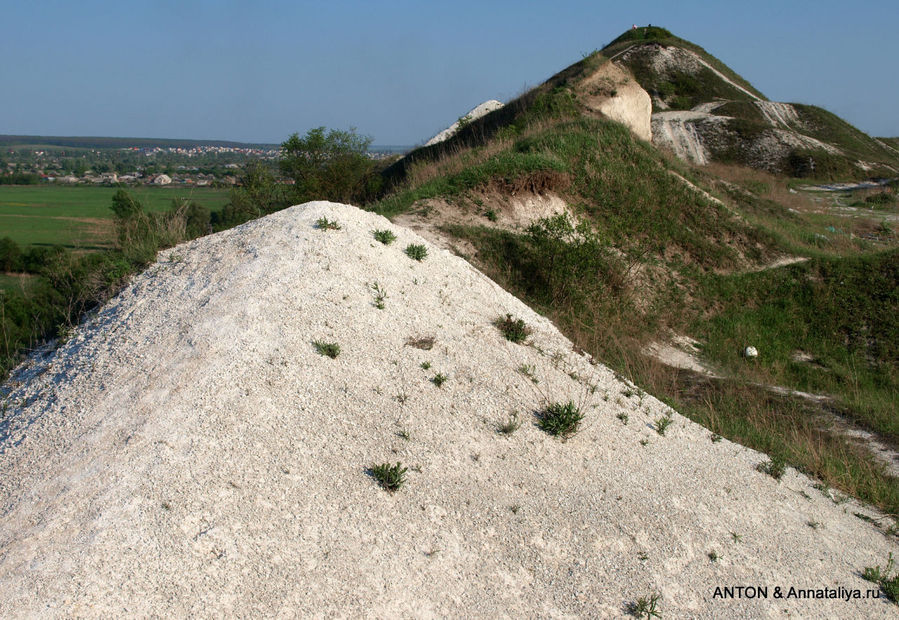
(188, 451)
(704, 111)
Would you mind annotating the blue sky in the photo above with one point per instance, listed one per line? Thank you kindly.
(398, 70)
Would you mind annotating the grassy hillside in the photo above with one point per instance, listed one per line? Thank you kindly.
(650, 247)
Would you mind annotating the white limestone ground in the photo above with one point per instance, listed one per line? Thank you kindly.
(188, 453)
(475, 113)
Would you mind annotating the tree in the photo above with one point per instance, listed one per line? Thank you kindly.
(124, 205)
(10, 255)
(327, 166)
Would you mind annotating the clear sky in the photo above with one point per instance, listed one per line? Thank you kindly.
(398, 70)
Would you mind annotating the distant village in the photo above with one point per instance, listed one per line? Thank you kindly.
(196, 165)
(199, 165)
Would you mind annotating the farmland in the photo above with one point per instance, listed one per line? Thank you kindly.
(79, 218)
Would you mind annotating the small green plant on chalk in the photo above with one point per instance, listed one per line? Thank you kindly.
(560, 420)
(384, 236)
(416, 251)
(390, 477)
(380, 295)
(328, 349)
(324, 223)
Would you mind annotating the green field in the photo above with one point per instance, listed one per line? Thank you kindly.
(80, 217)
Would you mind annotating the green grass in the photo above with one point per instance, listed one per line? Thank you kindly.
(416, 251)
(80, 217)
(889, 583)
(16, 282)
(384, 236)
(646, 607)
(633, 201)
(515, 330)
(439, 379)
(844, 312)
(328, 349)
(507, 165)
(708, 85)
(560, 419)
(324, 223)
(390, 477)
(774, 467)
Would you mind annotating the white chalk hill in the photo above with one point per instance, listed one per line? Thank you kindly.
(482, 109)
(189, 453)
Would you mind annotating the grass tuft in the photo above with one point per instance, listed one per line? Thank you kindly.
(416, 251)
(324, 223)
(560, 420)
(515, 330)
(646, 607)
(329, 349)
(390, 477)
(775, 467)
(662, 424)
(380, 295)
(439, 379)
(384, 236)
(511, 425)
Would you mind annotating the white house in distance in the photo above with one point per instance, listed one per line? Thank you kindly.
(162, 179)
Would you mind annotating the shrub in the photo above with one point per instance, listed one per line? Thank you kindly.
(515, 330)
(416, 251)
(390, 477)
(329, 349)
(560, 420)
(880, 198)
(384, 236)
(10, 255)
(327, 166)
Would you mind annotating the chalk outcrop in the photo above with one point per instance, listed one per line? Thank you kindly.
(188, 452)
(613, 92)
(475, 113)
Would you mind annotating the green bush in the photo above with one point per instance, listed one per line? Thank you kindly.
(332, 165)
(515, 330)
(10, 255)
